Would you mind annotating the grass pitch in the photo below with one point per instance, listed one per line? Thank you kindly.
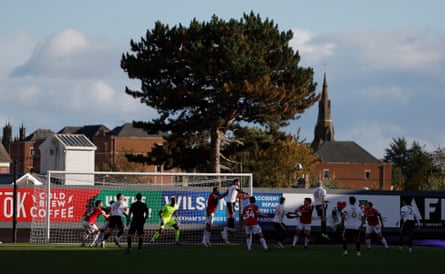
(162, 258)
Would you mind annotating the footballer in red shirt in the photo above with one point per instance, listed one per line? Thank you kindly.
(304, 224)
(89, 223)
(251, 213)
(374, 223)
(212, 206)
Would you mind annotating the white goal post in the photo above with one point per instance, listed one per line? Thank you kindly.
(59, 205)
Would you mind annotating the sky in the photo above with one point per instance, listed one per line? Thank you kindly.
(384, 62)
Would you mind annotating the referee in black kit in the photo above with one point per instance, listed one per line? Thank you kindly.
(139, 211)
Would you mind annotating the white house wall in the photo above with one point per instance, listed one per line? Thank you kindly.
(79, 161)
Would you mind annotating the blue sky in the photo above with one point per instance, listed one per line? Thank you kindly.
(384, 60)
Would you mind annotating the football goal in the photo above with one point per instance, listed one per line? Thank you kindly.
(59, 205)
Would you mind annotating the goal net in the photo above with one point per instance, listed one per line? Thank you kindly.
(60, 204)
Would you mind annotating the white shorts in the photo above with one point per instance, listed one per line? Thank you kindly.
(209, 219)
(252, 229)
(91, 228)
(304, 227)
(373, 228)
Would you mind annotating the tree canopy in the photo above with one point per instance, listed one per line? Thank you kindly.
(271, 157)
(211, 79)
(412, 166)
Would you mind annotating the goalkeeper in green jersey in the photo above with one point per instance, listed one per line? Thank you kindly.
(168, 216)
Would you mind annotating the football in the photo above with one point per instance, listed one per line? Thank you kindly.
(298, 166)
(243, 196)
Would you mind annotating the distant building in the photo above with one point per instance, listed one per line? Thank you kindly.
(24, 150)
(350, 166)
(5, 160)
(68, 152)
(114, 145)
(345, 163)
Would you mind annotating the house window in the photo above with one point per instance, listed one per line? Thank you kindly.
(106, 147)
(51, 152)
(32, 152)
(325, 173)
(158, 168)
(367, 174)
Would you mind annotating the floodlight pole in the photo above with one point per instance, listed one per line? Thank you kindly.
(14, 204)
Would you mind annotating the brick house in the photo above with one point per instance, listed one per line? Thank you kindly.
(350, 166)
(24, 149)
(113, 146)
(345, 163)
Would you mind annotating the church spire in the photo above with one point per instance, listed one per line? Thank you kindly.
(324, 130)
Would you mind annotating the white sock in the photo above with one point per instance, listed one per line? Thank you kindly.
(294, 242)
(263, 243)
(383, 240)
(249, 243)
(368, 243)
(96, 236)
(225, 233)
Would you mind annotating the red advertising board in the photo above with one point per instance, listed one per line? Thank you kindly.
(66, 205)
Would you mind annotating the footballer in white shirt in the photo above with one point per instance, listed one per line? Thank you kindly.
(352, 221)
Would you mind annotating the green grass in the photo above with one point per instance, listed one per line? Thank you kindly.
(64, 259)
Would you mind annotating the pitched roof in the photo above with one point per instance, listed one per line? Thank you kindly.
(39, 135)
(93, 130)
(344, 152)
(74, 140)
(68, 130)
(128, 130)
(4, 155)
(90, 130)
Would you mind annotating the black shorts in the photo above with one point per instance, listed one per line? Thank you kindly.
(321, 211)
(230, 208)
(116, 222)
(136, 226)
(279, 227)
(351, 234)
(407, 227)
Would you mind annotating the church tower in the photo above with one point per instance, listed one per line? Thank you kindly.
(324, 130)
(7, 136)
(22, 133)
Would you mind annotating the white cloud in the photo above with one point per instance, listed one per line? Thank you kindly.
(71, 54)
(67, 79)
(386, 92)
(403, 51)
(65, 43)
(309, 49)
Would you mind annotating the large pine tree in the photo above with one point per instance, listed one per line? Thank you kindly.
(211, 78)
